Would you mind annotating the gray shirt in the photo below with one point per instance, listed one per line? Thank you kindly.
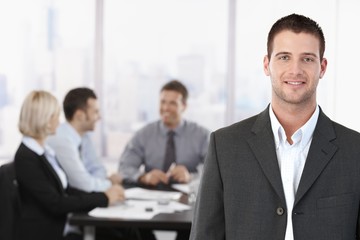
(147, 148)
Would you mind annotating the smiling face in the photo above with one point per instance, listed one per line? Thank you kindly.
(171, 108)
(294, 68)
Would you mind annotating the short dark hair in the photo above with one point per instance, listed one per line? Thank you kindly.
(296, 23)
(76, 99)
(176, 86)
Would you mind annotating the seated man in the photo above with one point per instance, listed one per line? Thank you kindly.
(170, 149)
(76, 152)
(73, 146)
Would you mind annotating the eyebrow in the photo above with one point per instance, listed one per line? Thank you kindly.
(311, 54)
(282, 53)
(305, 53)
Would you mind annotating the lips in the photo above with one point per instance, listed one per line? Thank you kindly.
(166, 114)
(294, 83)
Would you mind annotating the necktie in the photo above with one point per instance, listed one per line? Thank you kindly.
(170, 156)
(80, 151)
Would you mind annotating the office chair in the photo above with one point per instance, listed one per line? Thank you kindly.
(9, 201)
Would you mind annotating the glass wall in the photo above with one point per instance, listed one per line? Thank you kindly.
(44, 45)
(148, 43)
(141, 44)
(253, 88)
(345, 97)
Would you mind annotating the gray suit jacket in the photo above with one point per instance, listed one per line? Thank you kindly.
(241, 194)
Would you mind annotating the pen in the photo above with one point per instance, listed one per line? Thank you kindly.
(172, 166)
(149, 209)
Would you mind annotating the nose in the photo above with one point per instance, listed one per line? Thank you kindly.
(296, 67)
(165, 106)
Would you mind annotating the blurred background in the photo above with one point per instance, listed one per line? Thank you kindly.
(127, 49)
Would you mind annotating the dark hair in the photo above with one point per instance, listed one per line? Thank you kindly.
(296, 23)
(77, 99)
(176, 86)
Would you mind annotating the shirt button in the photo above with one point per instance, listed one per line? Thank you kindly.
(279, 211)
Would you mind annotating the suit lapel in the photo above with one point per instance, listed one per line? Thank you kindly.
(51, 169)
(320, 153)
(263, 147)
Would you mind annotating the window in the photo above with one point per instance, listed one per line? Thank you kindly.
(253, 87)
(44, 45)
(147, 45)
(50, 44)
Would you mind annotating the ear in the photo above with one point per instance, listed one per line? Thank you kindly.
(79, 115)
(184, 106)
(266, 63)
(48, 126)
(323, 66)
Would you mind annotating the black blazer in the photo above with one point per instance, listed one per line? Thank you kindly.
(241, 194)
(45, 203)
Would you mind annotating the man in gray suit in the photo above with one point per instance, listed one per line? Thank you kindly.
(290, 172)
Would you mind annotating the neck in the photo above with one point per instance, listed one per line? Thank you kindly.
(41, 141)
(292, 116)
(172, 126)
(77, 127)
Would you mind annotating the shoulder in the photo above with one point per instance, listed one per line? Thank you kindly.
(23, 150)
(63, 129)
(194, 127)
(333, 130)
(345, 132)
(64, 136)
(25, 158)
(239, 131)
(148, 129)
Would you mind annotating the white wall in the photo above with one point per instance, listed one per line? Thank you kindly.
(337, 92)
(346, 96)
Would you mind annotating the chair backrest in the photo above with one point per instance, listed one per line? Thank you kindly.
(9, 201)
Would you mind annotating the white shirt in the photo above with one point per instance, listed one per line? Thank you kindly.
(33, 145)
(84, 170)
(291, 159)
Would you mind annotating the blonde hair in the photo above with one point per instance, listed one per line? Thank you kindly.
(36, 112)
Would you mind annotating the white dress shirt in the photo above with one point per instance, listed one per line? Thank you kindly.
(291, 159)
(84, 170)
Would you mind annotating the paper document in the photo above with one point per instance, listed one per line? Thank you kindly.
(138, 209)
(146, 194)
(185, 188)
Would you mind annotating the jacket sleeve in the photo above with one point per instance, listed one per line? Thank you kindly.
(37, 182)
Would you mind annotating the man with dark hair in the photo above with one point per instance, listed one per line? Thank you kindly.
(76, 99)
(176, 86)
(170, 149)
(289, 172)
(73, 145)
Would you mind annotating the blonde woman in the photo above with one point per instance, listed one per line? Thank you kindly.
(45, 194)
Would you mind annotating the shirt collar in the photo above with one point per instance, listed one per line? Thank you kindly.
(32, 144)
(74, 135)
(177, 130)
(304, 133)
